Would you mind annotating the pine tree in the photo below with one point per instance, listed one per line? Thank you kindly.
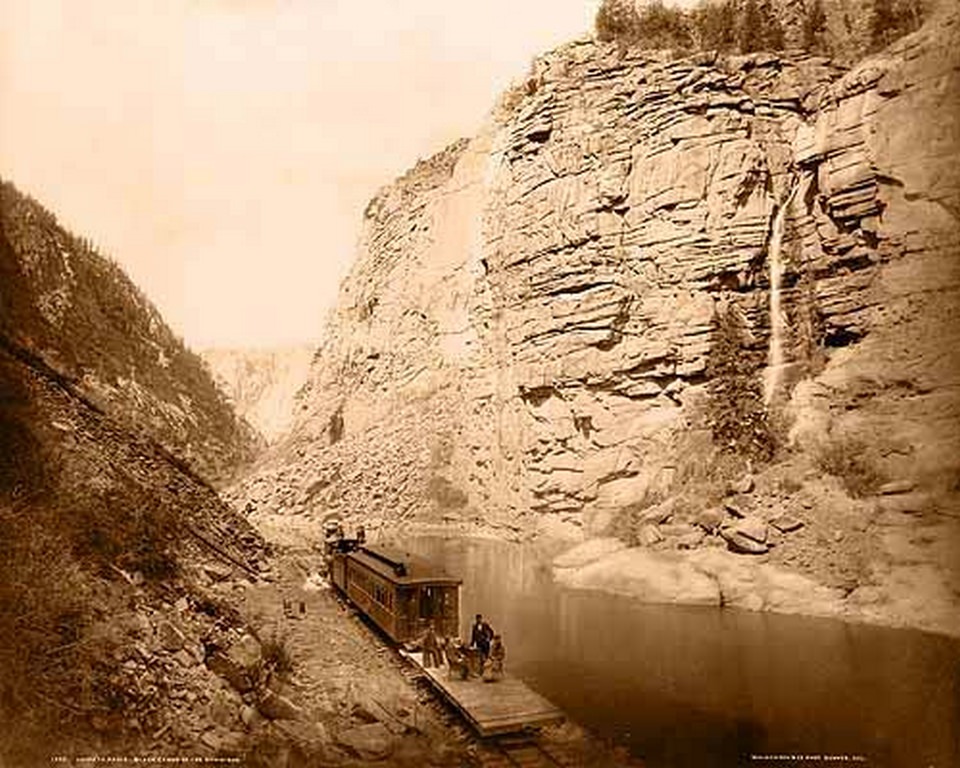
(715, 25)
(883, 23)
(750, 28)
(617, 20)
(814, 27)
(771, 31)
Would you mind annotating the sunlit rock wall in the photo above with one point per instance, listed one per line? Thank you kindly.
(527, 330)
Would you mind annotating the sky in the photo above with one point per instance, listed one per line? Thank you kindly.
(222, 151)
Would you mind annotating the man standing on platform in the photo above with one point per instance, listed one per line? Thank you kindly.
(480, 637)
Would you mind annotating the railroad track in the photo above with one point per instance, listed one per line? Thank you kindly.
(521, 751)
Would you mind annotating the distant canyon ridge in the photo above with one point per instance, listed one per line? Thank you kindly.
(262, 384)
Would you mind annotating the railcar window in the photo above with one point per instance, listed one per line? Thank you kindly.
(428, 599)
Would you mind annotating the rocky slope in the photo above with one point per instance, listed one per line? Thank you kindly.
(82, 315)
(110, 552)
(646, 277)
(262, 383)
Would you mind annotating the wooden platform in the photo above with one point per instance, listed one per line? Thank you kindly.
(504, 706)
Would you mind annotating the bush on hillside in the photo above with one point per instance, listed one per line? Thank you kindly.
(849, 460)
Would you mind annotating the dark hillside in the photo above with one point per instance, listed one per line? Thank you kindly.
(80, 313)
(105, 560)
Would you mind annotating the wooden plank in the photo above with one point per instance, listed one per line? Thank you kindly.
(504, 706)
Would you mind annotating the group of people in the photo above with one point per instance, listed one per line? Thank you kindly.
(483, 657)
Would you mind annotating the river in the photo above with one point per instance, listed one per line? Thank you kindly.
(707, 687)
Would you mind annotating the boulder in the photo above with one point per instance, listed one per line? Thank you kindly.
(235, 674)
(710, 518)
(217, 571)
(224, 707)
(212, 740)
(277, 706)
(648, 535)
(904, 503)
(691, 540)
(369, 742)
(655, 577)
(743, 545)
(753, 528)
(787, 523)
(250, 716)
(659, 513)
(170, 636)
(896, 486)
(734, 509)
(246, 651)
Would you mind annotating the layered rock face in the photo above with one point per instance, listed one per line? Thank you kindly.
(532, 327)
(262, 383)
(80, 314)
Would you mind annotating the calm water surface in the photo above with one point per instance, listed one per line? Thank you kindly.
(709, 687)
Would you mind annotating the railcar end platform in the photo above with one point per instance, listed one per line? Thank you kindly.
(492, 708)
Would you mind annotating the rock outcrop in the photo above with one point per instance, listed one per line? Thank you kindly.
(82, 315)
(641, 273)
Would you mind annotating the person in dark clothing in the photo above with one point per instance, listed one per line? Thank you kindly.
(480, 637)
(456, 662)
(431, 648)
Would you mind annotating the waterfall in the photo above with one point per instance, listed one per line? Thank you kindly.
(775, 365)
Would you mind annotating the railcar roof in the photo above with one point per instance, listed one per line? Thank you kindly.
(416, 570)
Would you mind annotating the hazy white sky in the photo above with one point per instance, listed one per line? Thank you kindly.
(223, 150)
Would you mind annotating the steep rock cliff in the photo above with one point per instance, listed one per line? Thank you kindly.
(82, 315)
(638, 264)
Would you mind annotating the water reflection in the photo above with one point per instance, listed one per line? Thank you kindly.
(709, 687)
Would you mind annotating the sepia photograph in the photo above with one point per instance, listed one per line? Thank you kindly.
(544, 384)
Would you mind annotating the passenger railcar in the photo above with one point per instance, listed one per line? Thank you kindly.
(401, 593)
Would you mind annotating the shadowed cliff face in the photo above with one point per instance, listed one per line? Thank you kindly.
(569, 317)
(81, 314)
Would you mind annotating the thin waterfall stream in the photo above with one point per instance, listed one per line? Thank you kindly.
(775, 364)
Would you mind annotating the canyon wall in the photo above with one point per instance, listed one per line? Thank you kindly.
(636, 264)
